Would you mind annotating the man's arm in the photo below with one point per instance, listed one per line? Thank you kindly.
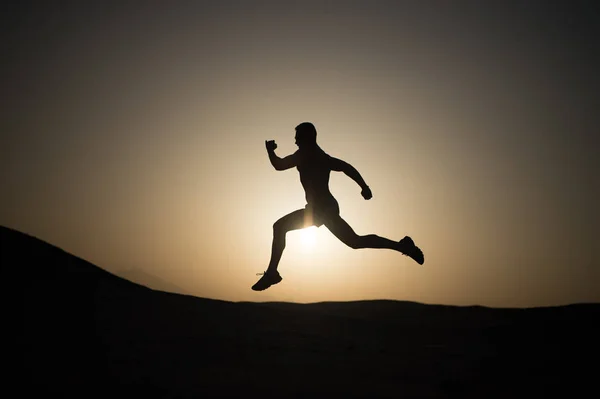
(340, 166)
(279, 163)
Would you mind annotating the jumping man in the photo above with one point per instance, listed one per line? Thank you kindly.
(314, 166)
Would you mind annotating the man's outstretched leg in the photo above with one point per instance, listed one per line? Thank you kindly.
(293, 221)
(342, 230)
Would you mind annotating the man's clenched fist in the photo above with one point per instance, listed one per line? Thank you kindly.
(270, 144)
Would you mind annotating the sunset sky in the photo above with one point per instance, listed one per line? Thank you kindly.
(133, 136)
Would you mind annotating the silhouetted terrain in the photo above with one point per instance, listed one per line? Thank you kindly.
(151, 281)
(79, 331)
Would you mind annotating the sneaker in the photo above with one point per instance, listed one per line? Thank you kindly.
(407, 247)
(268, 279)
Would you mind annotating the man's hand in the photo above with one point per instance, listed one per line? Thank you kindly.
(271, 146)
(366, 193)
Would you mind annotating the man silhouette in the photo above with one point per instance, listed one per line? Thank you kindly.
(314, 166)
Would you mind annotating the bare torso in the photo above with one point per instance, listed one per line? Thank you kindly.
(314, 168)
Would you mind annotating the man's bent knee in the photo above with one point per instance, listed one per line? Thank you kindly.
(279, 227)
(354, 242)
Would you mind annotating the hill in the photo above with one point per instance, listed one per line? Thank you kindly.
(78, 330)
(149, 280)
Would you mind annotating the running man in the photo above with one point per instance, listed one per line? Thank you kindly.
(314, 166)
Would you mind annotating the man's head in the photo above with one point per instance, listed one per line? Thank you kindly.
(306, 135)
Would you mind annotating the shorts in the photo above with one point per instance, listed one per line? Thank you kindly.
(318, 214)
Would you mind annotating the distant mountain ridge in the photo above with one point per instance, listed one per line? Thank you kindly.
(78, 330)
(150, 280)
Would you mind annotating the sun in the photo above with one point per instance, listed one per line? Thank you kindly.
(308, 237)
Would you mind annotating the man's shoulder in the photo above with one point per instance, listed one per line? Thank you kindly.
(318, 157)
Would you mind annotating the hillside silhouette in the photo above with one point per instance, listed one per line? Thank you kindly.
(150, 280)
(80, 331)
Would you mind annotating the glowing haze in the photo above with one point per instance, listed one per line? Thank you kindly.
(133, 137)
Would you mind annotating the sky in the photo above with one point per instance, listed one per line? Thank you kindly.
(133, 137)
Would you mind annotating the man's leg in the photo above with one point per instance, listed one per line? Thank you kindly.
(293, 221)
(342, 230)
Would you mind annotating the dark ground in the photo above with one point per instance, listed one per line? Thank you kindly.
(74, 329)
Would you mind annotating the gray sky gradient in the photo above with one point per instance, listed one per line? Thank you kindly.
(132, 136)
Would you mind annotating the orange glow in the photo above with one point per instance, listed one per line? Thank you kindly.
(138, 144)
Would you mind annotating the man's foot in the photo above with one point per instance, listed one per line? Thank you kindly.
(408, 248)
(268, 279)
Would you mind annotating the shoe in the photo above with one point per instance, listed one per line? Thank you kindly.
(407, 247)
(268, 279)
